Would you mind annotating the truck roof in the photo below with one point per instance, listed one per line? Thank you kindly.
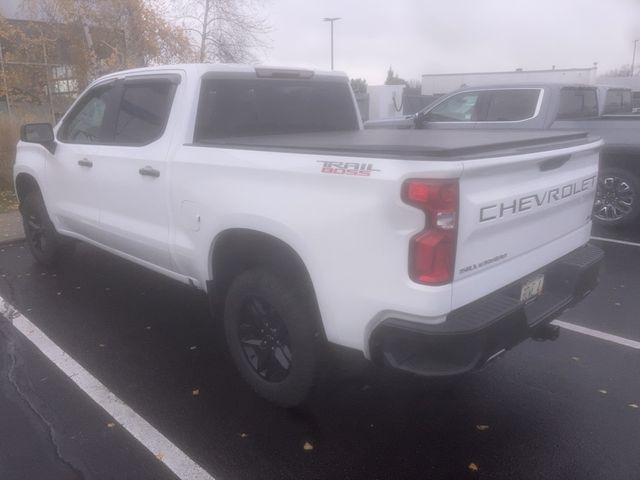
(550, 85)
(412, 144)
(200, 69)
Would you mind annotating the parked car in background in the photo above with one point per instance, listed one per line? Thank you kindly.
(602, 110)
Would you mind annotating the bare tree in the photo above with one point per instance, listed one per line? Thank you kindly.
(622, 71)
(228, 31)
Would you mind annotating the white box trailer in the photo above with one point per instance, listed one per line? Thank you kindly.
(385, 101)
(442, 83)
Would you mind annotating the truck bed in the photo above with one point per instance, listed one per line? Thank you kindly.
(411, 144)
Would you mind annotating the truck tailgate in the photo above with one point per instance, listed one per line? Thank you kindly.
(519, 213)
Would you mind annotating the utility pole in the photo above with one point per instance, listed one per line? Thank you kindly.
(633, 60)
(331, 20)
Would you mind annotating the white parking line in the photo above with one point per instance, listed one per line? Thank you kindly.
(598, 334)
(165, 451)
(613, 240)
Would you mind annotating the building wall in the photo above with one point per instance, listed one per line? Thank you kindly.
(440, 84)
(628, 82)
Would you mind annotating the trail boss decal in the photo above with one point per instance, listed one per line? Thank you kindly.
(348, 168)
(536, 200)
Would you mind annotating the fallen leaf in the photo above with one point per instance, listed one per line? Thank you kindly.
(482, 428)
(307, 446)
(634, 405)
(160, 456)
(243, 435)
(473, 467)
(111, 424)
(195, 391)
(604, 392)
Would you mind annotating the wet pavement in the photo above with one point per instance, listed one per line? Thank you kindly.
(552, 410)
(11, 227)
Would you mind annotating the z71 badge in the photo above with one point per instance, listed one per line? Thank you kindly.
(348, 168)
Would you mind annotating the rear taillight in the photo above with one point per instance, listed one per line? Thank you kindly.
(432, 252)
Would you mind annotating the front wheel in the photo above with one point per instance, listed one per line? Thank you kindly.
(271, 335)
(45, 244)
(617, 202)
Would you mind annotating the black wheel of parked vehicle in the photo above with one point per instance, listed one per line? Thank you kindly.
(617, 202)
(45, 243)
(271, 335)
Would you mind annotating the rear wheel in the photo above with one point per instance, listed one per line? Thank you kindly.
(271, 335)
(45, 244)
(617, 202)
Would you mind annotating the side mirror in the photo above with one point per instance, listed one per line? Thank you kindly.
(420, 120)
(41, 133)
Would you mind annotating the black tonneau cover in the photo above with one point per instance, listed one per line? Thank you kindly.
(410, 144)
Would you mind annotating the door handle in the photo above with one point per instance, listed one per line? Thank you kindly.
(149, 172)
(85, 163)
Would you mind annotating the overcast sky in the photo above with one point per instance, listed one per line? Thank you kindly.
(451, 36)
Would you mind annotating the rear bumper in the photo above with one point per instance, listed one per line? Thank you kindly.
(478, 332)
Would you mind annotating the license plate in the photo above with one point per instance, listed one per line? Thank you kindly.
(531, 288)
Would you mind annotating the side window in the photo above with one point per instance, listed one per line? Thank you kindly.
(512, 105)
(459, 108)
(618, 101)
(88, 123)
(577, 102)
(265, 106)
(143, 112)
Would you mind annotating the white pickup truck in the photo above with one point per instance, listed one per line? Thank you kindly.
(431, 252)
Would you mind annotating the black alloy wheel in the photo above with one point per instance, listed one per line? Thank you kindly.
(273, 337)
(264, 339)
(44, 242)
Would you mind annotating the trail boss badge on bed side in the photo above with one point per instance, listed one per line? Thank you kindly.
(348, 168)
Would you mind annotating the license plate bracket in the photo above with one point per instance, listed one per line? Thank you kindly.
(532, 288)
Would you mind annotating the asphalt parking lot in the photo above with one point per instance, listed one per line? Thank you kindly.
(552, 410)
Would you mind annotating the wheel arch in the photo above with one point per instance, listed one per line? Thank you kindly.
(239, 249)
(25, 183)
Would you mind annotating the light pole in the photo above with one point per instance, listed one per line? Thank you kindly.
(331, 20)
(633, 60)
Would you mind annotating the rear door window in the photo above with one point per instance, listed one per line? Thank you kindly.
(144, 110)
(577, 103)
(617, 101)
(512, 105)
